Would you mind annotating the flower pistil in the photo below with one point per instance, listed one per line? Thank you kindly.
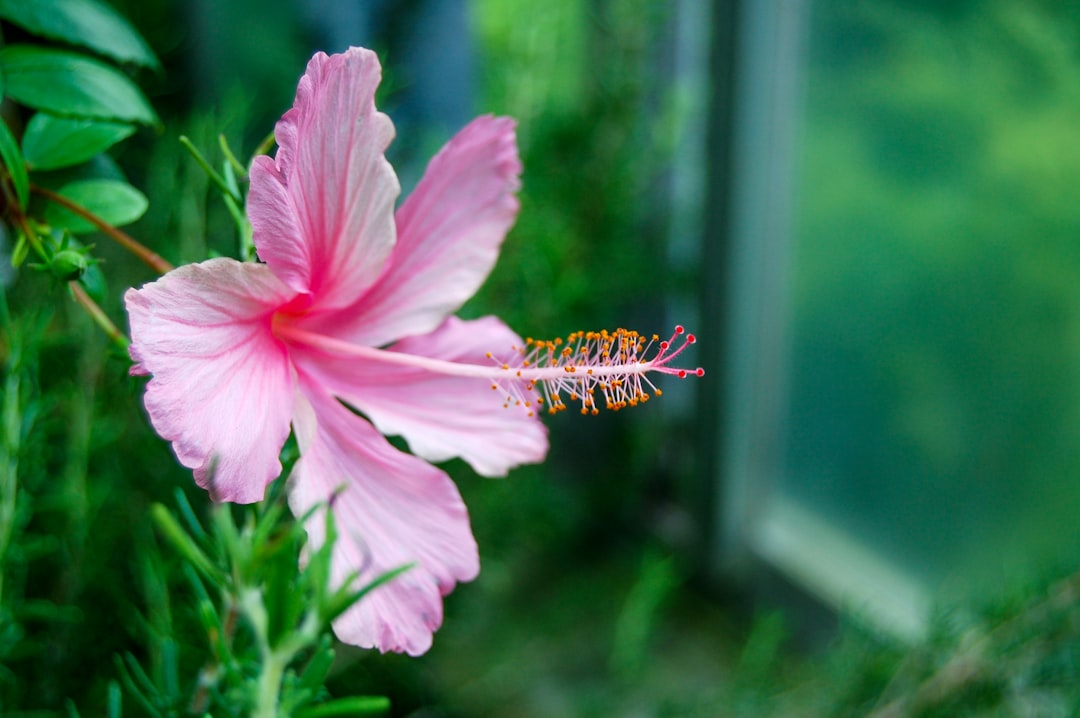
(539, 374)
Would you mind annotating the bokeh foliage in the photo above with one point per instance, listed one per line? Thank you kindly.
(936, 305)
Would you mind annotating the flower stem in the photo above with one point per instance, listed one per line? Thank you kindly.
(151, 258)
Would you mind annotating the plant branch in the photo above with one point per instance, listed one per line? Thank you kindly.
(31, 236)
(151, 258)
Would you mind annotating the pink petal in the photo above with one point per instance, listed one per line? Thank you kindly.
(393, 510)
(322, 209)
(440, 416)
(450, 230)
(222, 387)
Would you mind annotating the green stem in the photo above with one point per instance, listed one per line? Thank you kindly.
(216, 178)
(99, 316)
(273, 671)
(31, 236)
(264, 146)
(230, 157)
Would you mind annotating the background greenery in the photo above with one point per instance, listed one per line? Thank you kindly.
(936, 303)
(935, 199)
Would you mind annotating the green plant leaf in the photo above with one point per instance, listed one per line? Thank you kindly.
(71, 85)
(117, 203)
(85, 23)
(182, 542)
(51, 142)
(16, 167)
(345, 707)
(315, 673)
(114, 701)
(93, 281)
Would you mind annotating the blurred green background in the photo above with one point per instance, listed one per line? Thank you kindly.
(935, 398)
(931, 382)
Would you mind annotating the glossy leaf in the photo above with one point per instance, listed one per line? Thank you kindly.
(13, 162)
(117, 203)
(51, 142)
(71, 85)
(85, 23)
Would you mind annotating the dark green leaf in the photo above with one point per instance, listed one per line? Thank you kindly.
(93, 281)
(81, 22)
(50, 142)
(16, 167)
(345, 707)
(182, 542)
(117, 203)
(71, 85)
(113, 701)
(344, 598)
(137, 683)
(318, 666)
(187, 513)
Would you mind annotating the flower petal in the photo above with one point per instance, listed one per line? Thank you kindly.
(440, 416)
(393, 510)
(449, 230)
(222, 387)
(322, 209)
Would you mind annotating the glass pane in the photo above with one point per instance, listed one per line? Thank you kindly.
(935, 367)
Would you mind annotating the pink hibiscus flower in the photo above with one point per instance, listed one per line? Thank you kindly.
(353, 303)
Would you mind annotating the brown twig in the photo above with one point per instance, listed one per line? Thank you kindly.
(125, 240)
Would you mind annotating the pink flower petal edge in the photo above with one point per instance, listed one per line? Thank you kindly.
(437, 414)
(450, 230)
(393, 509)
(222, 386)
(322, 210)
